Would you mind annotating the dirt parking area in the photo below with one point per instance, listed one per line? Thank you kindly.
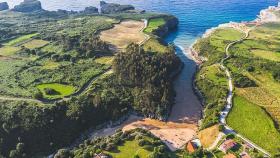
(174, 135)
(121, 35)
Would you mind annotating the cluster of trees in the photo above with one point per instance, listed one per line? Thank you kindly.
(242, 81)
(44, 129)
(150, 77)
(110, 143)
(87, 45)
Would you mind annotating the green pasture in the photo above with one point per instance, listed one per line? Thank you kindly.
(154, 45)
(20, 39)
(62, 89)
(129, 149)
(254, 123)
(154, 24)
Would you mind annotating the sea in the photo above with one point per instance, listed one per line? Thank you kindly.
(195, 15)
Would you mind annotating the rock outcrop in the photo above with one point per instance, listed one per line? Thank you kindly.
(28, 6)
(90, 10)
(171, 24)
(4, 6)
(109, 8)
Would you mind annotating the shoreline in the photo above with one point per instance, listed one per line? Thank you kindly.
(265, 16)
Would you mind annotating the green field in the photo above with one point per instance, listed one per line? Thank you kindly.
(107, 60)
(255, 124)
(129, 149)
(8, 50)
(20, 39)
(35, 44)
(154, 24)
(62, 89)
(154, 45)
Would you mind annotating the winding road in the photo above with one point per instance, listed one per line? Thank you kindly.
(225, 112)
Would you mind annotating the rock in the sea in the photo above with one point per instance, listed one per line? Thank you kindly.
(90, 10)
(4, 6)
(28, 6)
(109, 8)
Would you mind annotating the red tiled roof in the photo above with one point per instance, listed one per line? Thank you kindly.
(228, 144)
(190, 147)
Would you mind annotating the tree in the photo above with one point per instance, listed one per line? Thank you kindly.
(64, 153)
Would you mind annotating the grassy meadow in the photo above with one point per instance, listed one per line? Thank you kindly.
(154, 24)
(255, 60)
(251, 121)
(61, 89)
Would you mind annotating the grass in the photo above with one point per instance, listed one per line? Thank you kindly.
(155, 46)
(35, 44)
(254, 123)
(221, 37)
(50, 65)
(107, 60)
(208, 135)
(219, 154)
(64, 90)
(20, 39)
(8, 50)
(129, 149)
(154, 24)
(266, 54)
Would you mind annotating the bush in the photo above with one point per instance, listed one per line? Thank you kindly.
(241, 81)
(63, 153)
(50, 91)
(276, 75)
(221, 128)
(38, 95)
(230, 136)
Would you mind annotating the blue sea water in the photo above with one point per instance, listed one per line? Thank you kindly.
(195, 15)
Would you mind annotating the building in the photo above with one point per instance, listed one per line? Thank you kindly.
(244, 155)
(191, 147)
(227, 144)
(229, 156)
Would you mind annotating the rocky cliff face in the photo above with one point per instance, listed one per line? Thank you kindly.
(28, 6)
(90, 10)
(4, 6)
(171, 24)
(109, 8)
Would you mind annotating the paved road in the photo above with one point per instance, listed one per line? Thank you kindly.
(225, 112)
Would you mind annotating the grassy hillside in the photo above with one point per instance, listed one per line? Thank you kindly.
(254, 66)
(253, 122)
(211, 79)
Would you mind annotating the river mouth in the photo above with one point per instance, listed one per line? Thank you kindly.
(187, 107)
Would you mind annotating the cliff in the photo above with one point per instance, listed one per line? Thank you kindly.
(4, 6)
(28, 6)
(171, 24)
(109, 8)
(90, 10)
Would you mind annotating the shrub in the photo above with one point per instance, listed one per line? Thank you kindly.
(221, 128)
(50, 91)
(241, 81)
